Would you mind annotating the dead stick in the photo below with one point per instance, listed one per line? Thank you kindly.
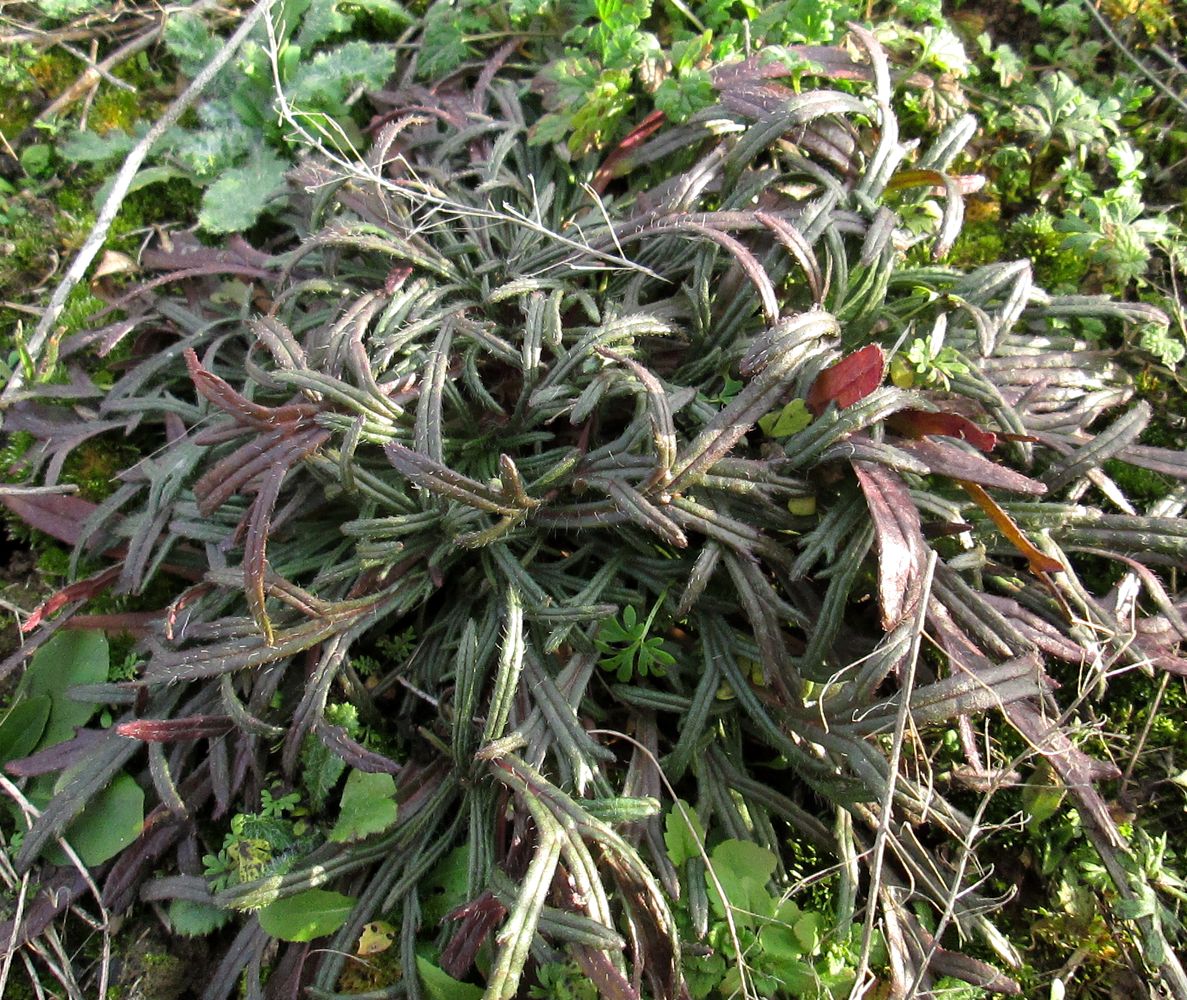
(119, 190)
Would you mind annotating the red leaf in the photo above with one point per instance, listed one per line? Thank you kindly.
(898, 536)
(613, 166)
(194, 727)
(227, 399)
(57, 515)
(850, 379)
(80, 590)
(921, 423)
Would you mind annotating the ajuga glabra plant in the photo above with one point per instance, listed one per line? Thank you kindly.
(700, 473)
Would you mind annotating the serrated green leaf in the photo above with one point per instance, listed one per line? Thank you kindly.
(89, 147)
(323, 19)
(743, 869)
(439, 985)
(310, 914)
(237, 199)
(368, 806)
(320, 771)
(682, 97)
(684, 835)
(190, 41)
(223, 139)
(443, 46)
(550, 128)
(328, 78)
(191, 919)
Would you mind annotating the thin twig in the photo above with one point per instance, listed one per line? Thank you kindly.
(1142, 68)
(102, 68)
(10, 949)
(31, 812)
(1141, 744)
(119, 190)
(887, 804)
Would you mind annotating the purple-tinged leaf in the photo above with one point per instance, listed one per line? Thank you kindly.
(231, 474)
(898, 537)
(947, 459)
(1036, 629)
(1076, 768)
(54, 897)
(1159, 642)
(219, 393)
(339, 743)
(643, 512)
(255, 544)
(790, 343)
(943, 962)
(659, 408)
(79, 591)
(793, 241)
(59, 757)
(477, 920)
(597, 966)
(617, 162)
(57, 515)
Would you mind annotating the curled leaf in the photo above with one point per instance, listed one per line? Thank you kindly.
(1039, 561)
(921, 423)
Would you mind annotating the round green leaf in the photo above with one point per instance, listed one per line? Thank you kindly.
(22, 727)
(67, 660)
(307, 915)
(109, 823)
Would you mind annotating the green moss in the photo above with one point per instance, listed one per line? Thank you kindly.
(27, 80)
(93, 466)
(172, 201)
(1035, 237)
(979, 243)
(115, 109)
(1141, 486)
